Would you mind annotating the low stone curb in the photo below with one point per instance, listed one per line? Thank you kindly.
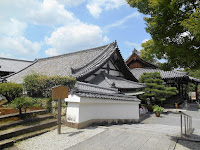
(43, 111)
(21, 122)
(27, 129)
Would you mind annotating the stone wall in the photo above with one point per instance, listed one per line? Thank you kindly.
(54, 104)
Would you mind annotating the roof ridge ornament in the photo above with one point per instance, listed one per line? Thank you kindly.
(135, 51)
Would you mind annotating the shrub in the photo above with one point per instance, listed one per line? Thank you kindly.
(41, 85)
(21, 102)
(10, 90)
(157, 109)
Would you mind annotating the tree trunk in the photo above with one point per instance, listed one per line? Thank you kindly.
(20, 112)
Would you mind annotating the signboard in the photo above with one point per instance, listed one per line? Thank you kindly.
(60, 92)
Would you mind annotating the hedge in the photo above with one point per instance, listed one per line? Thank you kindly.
(41, 85)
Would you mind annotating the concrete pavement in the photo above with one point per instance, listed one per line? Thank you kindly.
(129, 137)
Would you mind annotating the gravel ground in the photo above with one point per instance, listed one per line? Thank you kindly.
(52, 141)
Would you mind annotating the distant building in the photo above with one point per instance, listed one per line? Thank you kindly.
(176, 79)
(9, 66)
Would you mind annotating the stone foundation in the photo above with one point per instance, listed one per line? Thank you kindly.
(101, 122)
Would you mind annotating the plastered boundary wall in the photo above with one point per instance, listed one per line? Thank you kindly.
(82, 112)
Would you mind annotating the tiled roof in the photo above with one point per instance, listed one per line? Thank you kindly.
(93, 91)
(13, 65)
(137, 53)
(82, 86)
(96, 63)
(67, 64)
(106, 80)
(192, 79)
(137, 72)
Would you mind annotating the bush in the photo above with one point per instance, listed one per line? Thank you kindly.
(41, 102)
(21, 103)
(158, 109)
(10, 90)
(41, 85)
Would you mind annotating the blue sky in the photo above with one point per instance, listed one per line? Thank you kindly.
(41, 28)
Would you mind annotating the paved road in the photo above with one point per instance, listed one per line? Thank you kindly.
(129, 137)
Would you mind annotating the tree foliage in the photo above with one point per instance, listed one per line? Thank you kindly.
(196, 74)
(41, 85)
(21, 103)
(146, 53)
(10, 90)
(174, 26)
(155, 88)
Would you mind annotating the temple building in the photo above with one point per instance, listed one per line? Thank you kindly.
(106, 89)
(174, 78)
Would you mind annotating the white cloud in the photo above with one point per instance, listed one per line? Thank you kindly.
(12, 27)
(70, 33)
(17, 15)
(75, 37)
(51, 52)
(50, 12)
(47, 12)
(71, 3)
(95, 7)
(123, 20)
(5, 55)
(145, 40)
(133, 45)
(19, 46)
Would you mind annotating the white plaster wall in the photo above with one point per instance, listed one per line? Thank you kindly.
(73, 108)
(102, 109)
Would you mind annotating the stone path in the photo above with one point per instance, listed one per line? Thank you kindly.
(129, 137)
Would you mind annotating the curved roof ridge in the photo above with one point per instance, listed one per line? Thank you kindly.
(98, 62)
(79, 51)
(77, 68)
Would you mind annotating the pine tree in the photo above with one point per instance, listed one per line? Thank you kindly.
(155, 89)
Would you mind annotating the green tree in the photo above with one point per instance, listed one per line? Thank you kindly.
(21, 103)
(146, 53)
(155, 88)
(10, 90)
(174, 27)
(196, 74)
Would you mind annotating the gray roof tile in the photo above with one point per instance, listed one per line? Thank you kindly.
(106, 80)
(137, 72)
(93, 91)
(13, 65)
(62, 65)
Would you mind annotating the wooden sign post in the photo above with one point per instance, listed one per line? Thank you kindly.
(58, 93)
